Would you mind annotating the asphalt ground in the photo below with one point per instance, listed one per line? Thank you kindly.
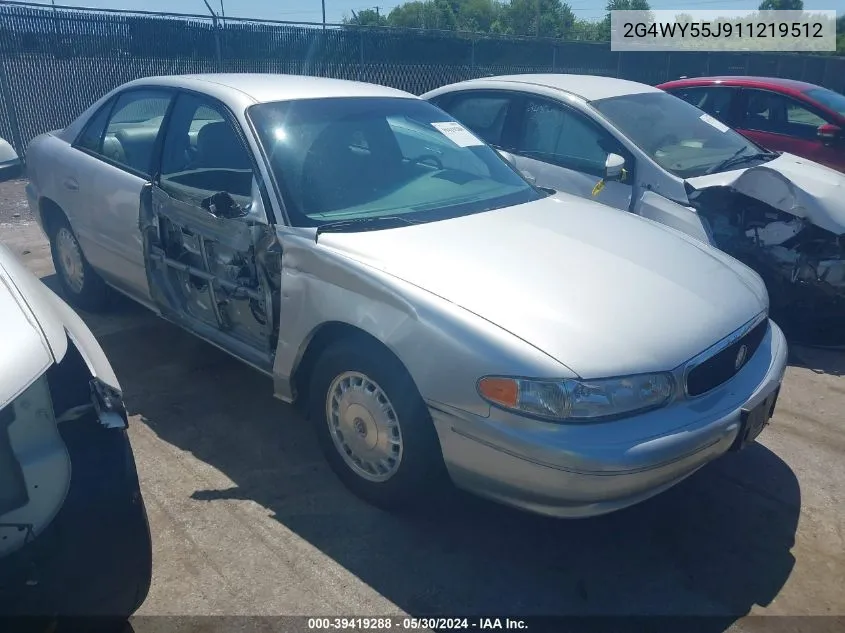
(247, 519)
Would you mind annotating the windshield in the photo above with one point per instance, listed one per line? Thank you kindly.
(359, 159)
(828, 98)
(675, 134)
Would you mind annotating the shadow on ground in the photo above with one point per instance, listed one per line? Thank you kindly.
(715, 545)
(818, 360)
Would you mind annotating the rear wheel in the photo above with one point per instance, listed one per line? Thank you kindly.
(374, 427)
(83, 287)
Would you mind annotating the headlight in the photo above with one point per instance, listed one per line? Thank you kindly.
(575, 400)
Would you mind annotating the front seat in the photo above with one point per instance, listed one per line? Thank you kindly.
(758, 117)
(333, 175)
(218, 146)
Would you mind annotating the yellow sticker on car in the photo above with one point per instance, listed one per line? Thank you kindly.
(599, 186)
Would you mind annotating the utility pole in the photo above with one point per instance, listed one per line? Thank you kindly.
(215, 24)
(324, 14)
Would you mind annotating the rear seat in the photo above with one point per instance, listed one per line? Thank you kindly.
(136, 146)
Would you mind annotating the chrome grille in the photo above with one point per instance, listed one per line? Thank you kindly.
(726, 360)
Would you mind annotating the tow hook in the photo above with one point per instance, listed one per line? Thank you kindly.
(108, 403)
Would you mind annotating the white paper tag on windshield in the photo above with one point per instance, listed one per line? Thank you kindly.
(714, 122)
(457, 133)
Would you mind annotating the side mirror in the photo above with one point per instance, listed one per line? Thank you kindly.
(223, 205)
(830, 133)
(614, 167)
(507, 156)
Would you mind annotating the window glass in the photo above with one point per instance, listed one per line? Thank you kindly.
(676, 135)
(484, 114)
(714, 101)
(828, 98)
(368, 158)
(133, 128)
(555, 134)
(779, 114)
(203, 154)
(92, 136)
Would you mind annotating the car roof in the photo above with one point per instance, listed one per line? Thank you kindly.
(787, 85)
(589, 87)
(264, 87)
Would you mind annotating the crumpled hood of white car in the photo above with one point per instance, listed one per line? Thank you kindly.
(23, 349)
(602, 291)
(791, 184)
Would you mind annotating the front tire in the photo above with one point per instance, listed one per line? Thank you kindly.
(83, 287)
(374, 427)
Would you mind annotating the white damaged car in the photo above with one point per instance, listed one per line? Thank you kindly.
(74, 536)
(10, 163)
(637, 148)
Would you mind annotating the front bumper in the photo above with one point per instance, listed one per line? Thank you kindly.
(569, 470)
(95, 557)
(10, 169)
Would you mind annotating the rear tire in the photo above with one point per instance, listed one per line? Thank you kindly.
(82, 287)
(373, 426)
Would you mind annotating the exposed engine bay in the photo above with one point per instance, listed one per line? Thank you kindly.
(802, 264)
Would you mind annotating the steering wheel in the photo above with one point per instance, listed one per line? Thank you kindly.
(666, 137)
(425, 158)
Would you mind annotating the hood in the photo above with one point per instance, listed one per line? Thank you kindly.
(25, 352)
(602, 291)
(790, 184)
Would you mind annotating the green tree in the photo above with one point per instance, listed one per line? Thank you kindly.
(424, 14)
(620, 5)
(476, 15)
(366, 17)
(781, 5)
(555, 17)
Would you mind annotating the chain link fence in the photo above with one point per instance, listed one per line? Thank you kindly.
(55, 61)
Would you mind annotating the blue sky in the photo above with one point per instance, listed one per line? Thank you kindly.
(310, 10)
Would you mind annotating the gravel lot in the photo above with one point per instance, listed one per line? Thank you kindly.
(247, 518)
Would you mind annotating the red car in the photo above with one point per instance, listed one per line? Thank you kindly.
(778, 114)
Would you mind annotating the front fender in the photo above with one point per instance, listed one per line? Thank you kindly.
(655, 207)
(445, 348)
(88, 347)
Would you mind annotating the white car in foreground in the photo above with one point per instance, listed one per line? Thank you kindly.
(10, 163)
(74, 538)
(639, 149)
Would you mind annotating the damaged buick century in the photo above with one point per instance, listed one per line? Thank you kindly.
(436, 315)
(637, 148)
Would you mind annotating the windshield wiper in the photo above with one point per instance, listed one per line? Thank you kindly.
(738, 158)
(363, 224)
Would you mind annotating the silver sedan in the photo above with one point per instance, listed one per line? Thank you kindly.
(435, 313)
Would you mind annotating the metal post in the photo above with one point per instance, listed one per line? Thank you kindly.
(6, 90)
(361, 61)
(217, 46)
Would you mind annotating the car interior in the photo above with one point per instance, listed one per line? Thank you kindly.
(210, 158)
(132, 144)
